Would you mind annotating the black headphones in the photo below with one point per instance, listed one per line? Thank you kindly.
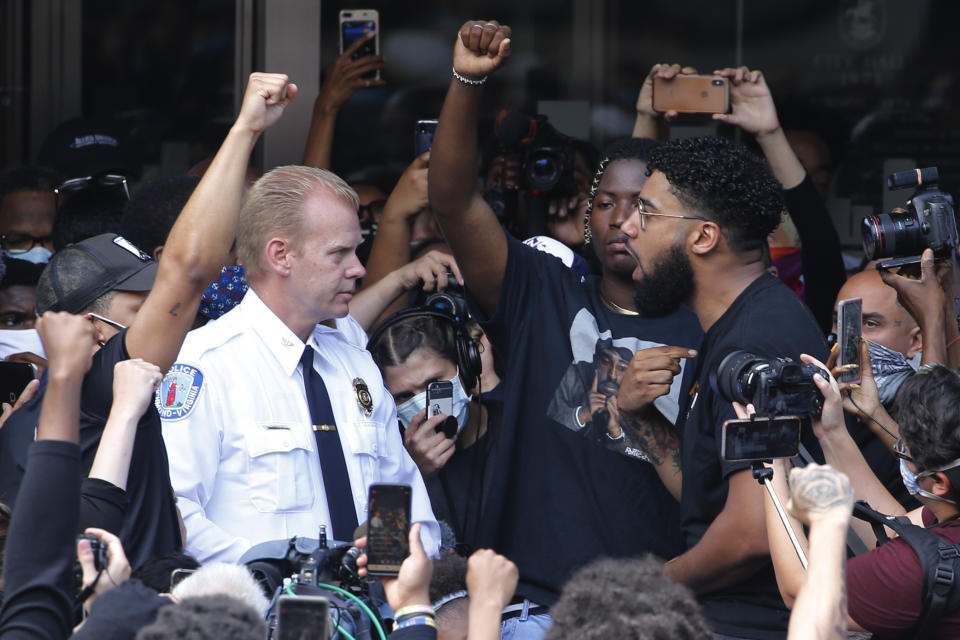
(468, 356)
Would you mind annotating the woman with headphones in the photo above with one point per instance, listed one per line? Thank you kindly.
(414, 348)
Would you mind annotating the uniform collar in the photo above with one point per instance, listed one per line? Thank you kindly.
(283, 343)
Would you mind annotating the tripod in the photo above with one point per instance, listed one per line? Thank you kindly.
(762, 475)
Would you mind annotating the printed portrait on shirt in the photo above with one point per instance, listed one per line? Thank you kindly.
(586, 399)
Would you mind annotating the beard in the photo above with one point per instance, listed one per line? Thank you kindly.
(667, 286)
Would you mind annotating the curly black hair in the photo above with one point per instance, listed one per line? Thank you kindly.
(149, 215)
(725, 182)
(626, 598)
(926, 411)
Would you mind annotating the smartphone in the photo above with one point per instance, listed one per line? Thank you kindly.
(355, 24)
(691, 94)
(14, 376)
(388, 528)
(423, 136)
(760, 439)
(849, 329)
(303, 618)
(439, 398)
(897, 262)
(179, 575)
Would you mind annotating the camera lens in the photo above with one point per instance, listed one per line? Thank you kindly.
(543, 170)
(717, 83)
(892, 234)
(733, 378)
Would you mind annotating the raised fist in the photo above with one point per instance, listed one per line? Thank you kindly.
(481, 48)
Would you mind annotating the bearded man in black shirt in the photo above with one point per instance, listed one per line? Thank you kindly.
(698, 234)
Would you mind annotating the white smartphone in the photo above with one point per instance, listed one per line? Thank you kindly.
(355, 24)
(849, 330)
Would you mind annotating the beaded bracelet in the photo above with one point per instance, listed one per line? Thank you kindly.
(466, 80)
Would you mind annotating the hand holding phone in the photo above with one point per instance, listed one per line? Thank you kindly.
(356, 25)
(388, 528)
(423, 136)
(849, 330)
(14, 378)
(691, 94)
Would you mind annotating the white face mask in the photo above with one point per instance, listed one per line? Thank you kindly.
(36, 255)
(20, 341)
(408, 409)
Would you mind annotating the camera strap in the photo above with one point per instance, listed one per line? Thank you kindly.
(939, 561)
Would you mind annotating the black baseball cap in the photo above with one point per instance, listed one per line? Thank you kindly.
(87, 147)
(82, 272)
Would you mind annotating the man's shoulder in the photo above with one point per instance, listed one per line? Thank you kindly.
(204, 343)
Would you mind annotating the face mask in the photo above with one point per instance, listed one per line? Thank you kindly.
(36, 255)
(408, 409)
(890, 369)
(20, 341)
(225, 292)
(913, 487)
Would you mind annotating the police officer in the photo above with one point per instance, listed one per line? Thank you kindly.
(277, 413)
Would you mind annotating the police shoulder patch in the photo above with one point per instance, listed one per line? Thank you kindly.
(177, 394)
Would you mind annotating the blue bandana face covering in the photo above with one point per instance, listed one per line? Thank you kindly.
(890, 369)
(225, 292)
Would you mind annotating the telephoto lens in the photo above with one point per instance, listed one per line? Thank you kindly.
(892, 234)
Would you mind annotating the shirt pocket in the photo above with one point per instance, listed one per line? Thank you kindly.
(278, 468)
(367, 443)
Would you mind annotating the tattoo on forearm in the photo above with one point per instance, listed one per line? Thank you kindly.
(820, 489)
(173, 310)
(658, 440)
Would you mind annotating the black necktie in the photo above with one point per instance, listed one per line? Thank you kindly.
(336, 480)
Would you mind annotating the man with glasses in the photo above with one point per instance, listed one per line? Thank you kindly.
(698, 234)
(108, 279)
(885, 586)
(27, 211)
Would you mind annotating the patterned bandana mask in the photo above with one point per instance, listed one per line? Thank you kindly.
(890, 369)
(225, 292)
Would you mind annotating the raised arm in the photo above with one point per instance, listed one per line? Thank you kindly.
(470, 226)
(926, 301)
(344, 78)
(649, 122)
(391, 245)
(821, 497)
(199, 243)
(134, 382)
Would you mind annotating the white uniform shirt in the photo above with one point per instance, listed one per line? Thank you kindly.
(243, 458)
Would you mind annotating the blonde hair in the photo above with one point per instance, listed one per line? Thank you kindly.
(274, 207)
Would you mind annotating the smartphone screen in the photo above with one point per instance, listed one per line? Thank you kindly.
(761, 438)
(423, 136)
(849, 329)
(354, 25)
(691, 94)
(388, 528)
(302, 618)
(14, 376)
(439, 398)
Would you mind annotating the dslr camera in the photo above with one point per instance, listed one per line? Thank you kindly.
(775, 387)
(927, 221)
(545, 157)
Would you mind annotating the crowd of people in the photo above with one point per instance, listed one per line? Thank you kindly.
(224, 362)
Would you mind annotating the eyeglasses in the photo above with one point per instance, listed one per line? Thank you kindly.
(75, 185)
(16, 242)
(900, 451)
(643, 213)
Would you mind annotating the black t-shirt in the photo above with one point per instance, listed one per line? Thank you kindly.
(768, 320)
(458, 490)
(562, 494)
(150, 527)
